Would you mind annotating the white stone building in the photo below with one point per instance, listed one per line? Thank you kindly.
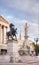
(3, 29)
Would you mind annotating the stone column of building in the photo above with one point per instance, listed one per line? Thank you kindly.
(6, 35)
(0, 33)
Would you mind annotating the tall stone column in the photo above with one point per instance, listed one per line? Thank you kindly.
(26, 34)
(26, 30)
(20, 36)
(0, 34)
(6, 35)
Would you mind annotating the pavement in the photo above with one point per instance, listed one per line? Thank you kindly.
(26, 60)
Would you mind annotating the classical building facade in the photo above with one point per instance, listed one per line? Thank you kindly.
(3, 29)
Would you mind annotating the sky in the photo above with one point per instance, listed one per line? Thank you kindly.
(19, 12)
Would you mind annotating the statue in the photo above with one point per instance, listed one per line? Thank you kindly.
(12, 46)
(12, 33)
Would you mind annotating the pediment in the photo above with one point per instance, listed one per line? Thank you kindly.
(3, 21)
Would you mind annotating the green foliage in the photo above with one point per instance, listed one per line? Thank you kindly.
(36, 48)
(33, 45)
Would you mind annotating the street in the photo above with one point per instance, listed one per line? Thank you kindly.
(26, 60)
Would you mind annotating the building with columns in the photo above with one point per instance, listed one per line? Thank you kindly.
(3, 29)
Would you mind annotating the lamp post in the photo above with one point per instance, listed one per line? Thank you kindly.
(36, 40)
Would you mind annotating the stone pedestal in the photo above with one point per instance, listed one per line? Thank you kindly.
(13, 51)
(10, 49)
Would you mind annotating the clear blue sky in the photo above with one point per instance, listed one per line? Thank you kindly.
(21, 11)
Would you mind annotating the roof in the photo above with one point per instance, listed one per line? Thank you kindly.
(3, 20)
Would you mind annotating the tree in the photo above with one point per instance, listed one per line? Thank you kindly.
(33, 44)
(36, 46)
(12, 33)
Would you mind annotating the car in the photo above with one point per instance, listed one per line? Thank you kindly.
(23, 51)
(26, 51)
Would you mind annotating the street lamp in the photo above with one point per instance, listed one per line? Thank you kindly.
(36, 40)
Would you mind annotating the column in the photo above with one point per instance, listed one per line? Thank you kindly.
(26, 30)
(6, 35)
(0, 33)
(26, 34)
